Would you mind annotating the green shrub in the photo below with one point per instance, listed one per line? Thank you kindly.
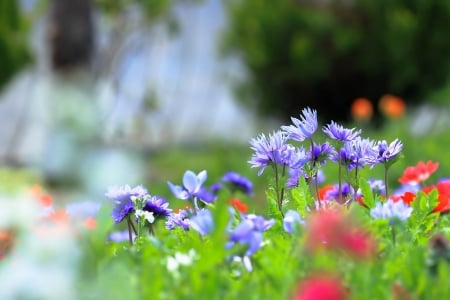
(307, 53)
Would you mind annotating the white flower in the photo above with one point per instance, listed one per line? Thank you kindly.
(180, 259)
(148, 215)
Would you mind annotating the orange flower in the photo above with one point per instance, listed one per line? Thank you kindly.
(323, 191)
(362, 109)
(392, 106)
(90, 223)
(417, 174)
(238, 204)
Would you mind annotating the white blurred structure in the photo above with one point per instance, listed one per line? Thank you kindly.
(159, 89)
(154, 89)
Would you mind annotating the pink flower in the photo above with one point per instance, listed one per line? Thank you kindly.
(321, 287)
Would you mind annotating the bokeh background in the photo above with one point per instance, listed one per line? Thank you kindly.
(96, 93)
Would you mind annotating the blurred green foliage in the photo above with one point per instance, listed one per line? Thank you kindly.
(324, 54)
(14, 52)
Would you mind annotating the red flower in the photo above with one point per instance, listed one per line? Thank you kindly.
(417, 174)
(321, 287)
(238, 204)
(407, 197)
(323, 191)
(333, 230)
(443, 189)
(392, 106)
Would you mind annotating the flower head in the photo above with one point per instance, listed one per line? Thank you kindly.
(269, 150)
(238, 182)
(158, 206)
(362, 109)
(338, 132)
(122, 199)
(192, 185)
(391, 210)
(419, 173)
(238, 204)
(250, 232)
(304, 128)
(320, 153)
(178, 219)
(385, 153)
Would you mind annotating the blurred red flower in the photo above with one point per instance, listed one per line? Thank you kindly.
(443, 188)
(321, 287)
(334, 230)
(416, 174)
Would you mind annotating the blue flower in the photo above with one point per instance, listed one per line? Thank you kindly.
(338, 132)
(158, 206)
(290, 219)
(268, 150)
(122, 199)
(192, 185)
(320, 153)
(385, 153)
(238, 182)
(250, 232)
(202, 222)
(179, 219)
(304, 128)
(391, 210)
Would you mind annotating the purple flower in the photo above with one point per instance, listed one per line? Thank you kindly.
(385, 153)
(158, 206)
(295, 174)
(363, 149)
(238, 182)
(250, 232)
(290, 219)
(338, 132)
(122, 199)
(179, 219)
(391, 210)
(346, 192)
(192, 185)
(202, 222)
(377, 186)
(320, 153)
(304, 128)
(269, 150)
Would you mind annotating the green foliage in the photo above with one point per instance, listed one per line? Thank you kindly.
(303, 53)
(14, 52)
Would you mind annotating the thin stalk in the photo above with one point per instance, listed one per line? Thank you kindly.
(386, 181)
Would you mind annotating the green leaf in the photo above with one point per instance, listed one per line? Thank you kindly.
(302, 197)
(366, 190)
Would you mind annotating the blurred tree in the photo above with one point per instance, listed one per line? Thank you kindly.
(325, 54)
(14, 53)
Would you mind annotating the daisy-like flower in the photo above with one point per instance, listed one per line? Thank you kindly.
(238, 182)
(178, 219)
(320, 153)
(158, 206)
(416, 174)
(385, 153)
(250, 232)
(391, 210)
(338, 132)
(304, 128)
(122, 199)
(268, 150)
